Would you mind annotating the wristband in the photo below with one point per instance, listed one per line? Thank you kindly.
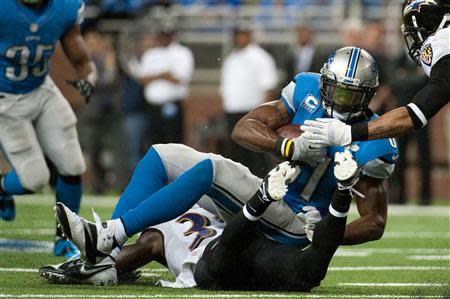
(360, 131)
(285, 147)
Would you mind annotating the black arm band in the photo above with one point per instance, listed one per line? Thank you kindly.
(360, 131)
(436, 94)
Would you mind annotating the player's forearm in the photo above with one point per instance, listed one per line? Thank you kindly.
(365, 229)
(87, 71)
(254, 135)
(392, 124)
(78, 55)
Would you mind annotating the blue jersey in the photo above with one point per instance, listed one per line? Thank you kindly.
(315, 185)
(28, 38)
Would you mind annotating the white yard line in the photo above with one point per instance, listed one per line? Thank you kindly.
(160, 271)
(29, 231)
(415, 235)
(393, 284)
(110, 201)
(217, 295)
(18, 270)
(390, 268)
(429, 257)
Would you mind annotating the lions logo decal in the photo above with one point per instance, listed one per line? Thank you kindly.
(427, 55)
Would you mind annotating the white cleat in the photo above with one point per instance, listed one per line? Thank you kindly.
(94, 240)
(347, 172)
(277, 180)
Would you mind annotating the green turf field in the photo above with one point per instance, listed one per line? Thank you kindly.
(411, 260)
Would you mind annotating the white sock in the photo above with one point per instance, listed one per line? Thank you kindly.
(248, 215)
(119, 231)
(115, 253)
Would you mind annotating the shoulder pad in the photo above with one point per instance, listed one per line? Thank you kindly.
(435, 48)
(378, 169)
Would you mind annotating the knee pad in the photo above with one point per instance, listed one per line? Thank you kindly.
(75, 166)
(33, 174)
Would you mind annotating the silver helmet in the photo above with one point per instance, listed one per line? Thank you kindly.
(348, 83)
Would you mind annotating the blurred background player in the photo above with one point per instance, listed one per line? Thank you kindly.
(35, 118)
(248, 78)
(165, 73)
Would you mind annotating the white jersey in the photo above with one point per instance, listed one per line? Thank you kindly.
(185, 239)
(434, 48)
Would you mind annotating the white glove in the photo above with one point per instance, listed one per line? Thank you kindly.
(310, 219)
(327, 132)
(307, 152)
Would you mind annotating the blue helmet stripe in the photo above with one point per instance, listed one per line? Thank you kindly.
(353, 61)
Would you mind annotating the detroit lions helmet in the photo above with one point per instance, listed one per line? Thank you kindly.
(348, 83)
(420, 19)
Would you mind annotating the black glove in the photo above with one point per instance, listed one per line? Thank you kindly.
(84, 87)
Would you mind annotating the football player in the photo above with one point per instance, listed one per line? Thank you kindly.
(342, 90)
(35, 118)
(426, 29)
(238, 258)
(177, 244)
(171, 178)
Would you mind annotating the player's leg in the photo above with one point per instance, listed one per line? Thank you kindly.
(234, 185)
(167, 203)
(21, 147)
(148, 177)
(56, 131)
(227, 261)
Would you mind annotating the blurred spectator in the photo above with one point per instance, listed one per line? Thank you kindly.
(135, 119)
(166, 71)
(373, 42)
(101, 112)
(306, 56)
(407, 80)
(351, 33)
(248, 78)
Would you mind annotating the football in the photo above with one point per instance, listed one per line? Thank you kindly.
(289, 131)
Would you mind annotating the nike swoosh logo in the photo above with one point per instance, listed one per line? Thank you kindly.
(92, 270)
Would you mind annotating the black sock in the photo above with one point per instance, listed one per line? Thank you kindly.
(255, 207)
(340, 204)
(59, 233)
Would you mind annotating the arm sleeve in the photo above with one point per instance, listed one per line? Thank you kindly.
(434, 96)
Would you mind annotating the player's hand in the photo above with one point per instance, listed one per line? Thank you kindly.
(327, 132)
(85, 88)
(308, 152)
(310, 219)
